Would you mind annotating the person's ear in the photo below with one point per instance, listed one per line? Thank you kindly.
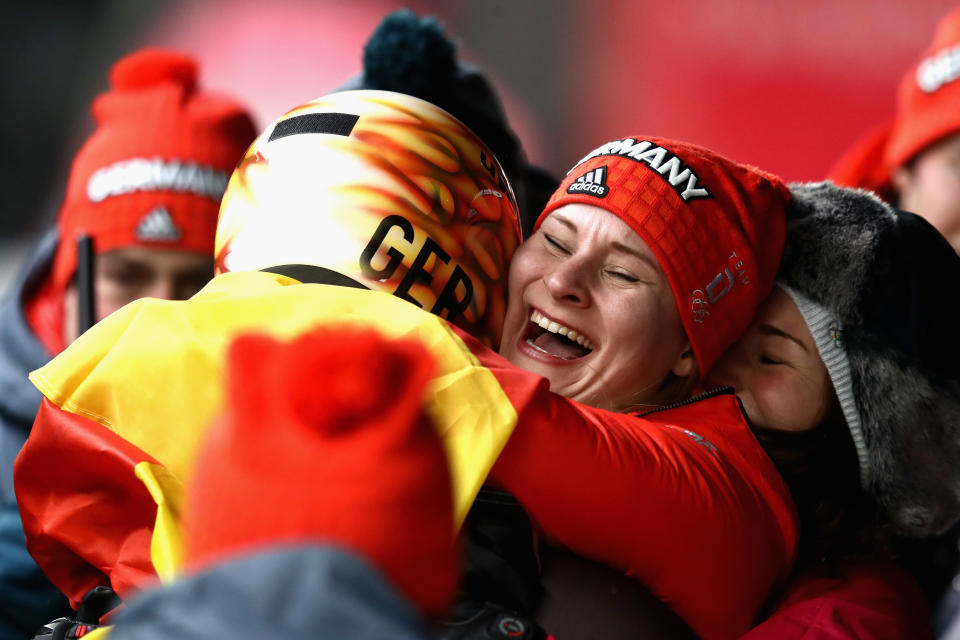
(685, 363)
(902, 178)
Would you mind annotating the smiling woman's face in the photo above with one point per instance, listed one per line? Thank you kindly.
(776, 370)
(591, 311)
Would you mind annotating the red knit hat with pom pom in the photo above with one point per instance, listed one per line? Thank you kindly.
(325, 442)
(153, 172)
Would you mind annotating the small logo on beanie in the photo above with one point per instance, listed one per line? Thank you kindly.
(157, 226)
(718, 287)
(698, 306)
(835, 333)
(592, 183)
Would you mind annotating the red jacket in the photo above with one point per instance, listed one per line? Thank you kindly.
(877, 600)
(685, 500)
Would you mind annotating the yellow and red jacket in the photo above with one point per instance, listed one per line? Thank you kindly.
(684, 500)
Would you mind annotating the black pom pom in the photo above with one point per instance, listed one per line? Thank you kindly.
(409, 55)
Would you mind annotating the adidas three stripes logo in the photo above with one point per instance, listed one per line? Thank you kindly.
(592, 183)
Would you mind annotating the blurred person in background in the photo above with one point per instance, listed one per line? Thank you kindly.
(145, 188)
(914, 161)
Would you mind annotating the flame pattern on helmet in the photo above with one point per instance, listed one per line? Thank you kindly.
(410, 202)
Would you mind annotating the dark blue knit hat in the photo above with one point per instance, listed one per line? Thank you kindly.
(413, 55)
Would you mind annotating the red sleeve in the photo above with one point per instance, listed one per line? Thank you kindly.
(878, 601)
(87, 518)
(686, 501)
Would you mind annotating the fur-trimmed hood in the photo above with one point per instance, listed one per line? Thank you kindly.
(889, 281)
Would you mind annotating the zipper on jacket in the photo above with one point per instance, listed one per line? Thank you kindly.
(716, 391)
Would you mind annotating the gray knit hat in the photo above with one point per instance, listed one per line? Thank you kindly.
(880, 291)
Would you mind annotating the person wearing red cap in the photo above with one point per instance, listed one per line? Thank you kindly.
(706, 237)
(912, 161)
(145, 188)
(647, 263)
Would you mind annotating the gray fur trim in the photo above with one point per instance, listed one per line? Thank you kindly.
(832, 237)
(909, 418)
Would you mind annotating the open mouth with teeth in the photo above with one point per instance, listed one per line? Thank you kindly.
(554, 339)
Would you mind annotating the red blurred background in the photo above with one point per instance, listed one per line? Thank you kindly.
(784, 85)
(787, 86)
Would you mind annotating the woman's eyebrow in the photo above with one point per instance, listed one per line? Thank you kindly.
(770, 330)
(623, 248)
(616, 246)
(564, 221)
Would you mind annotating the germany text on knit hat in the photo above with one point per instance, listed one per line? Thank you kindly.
(715, 226)
(928, 102)
(153, 172)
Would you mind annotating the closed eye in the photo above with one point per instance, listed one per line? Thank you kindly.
(768, 360)
(623, 277)
(553, 242)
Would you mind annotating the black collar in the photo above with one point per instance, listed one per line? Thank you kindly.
(308, 273)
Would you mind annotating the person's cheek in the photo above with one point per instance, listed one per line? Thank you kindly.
(770, 401)
(753, 400)
(791, 405)
(111, 295)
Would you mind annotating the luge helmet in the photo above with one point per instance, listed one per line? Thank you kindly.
(379, 190)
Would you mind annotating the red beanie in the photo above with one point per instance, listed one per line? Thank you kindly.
(153, 172)
(928, 102)
(324, 441)
(716, 227)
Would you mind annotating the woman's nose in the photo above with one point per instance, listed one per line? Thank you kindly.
(568, 282)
